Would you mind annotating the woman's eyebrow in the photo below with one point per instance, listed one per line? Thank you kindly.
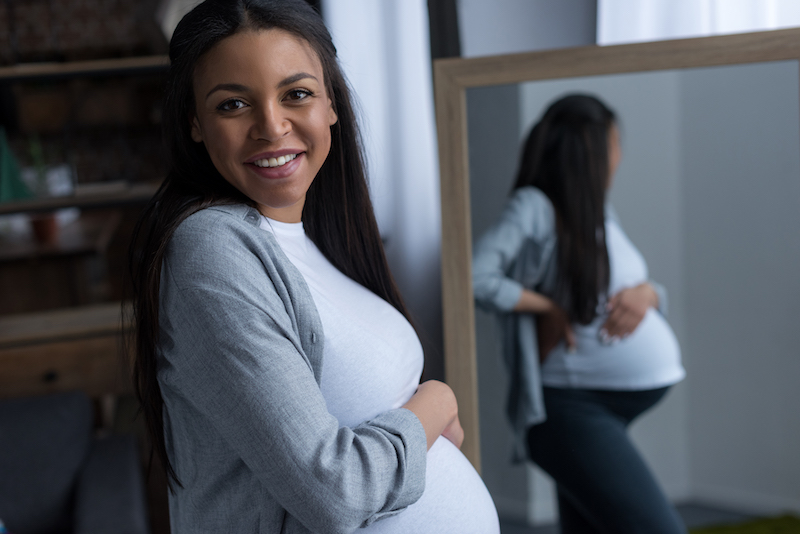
(238, 88)
(233, 87)
(296, 78)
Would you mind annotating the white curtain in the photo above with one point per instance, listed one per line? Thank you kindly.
(628, 21)
(384, 49)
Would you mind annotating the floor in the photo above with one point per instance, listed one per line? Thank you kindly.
(694, 515)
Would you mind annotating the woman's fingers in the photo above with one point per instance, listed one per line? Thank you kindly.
(454, 432)
(619, 324)
(613, 301)
(626, 310)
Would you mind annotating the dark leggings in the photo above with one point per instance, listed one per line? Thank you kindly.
(603, 484)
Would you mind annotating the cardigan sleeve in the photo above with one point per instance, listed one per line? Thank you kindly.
(234, 347)
(528, 220)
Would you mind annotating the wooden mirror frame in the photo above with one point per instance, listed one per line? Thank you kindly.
(452, 77)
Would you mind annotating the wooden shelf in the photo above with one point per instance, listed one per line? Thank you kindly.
(63, 324)
(90, 234)
(84, 68)
(121, 195)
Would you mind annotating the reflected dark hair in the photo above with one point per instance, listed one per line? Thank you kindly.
(337, 215)
(566, 157)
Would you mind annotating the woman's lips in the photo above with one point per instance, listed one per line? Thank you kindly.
(273, 169)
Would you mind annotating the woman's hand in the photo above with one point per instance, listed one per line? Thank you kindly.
(551, 328)
(552, 324)
(454, 432)
(435, 405)
(626, 310)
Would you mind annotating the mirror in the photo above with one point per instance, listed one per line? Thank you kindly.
(708, 190)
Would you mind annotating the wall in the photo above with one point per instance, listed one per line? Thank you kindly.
(741, 173)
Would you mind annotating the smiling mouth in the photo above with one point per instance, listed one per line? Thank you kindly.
(274, 162)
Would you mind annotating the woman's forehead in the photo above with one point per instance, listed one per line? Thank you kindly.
(273, 52)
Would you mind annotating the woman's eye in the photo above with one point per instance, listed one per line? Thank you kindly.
(231, 105)
(298, 94)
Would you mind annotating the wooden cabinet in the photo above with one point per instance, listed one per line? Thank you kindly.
(63, 350)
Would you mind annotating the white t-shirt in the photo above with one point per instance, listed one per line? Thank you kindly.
(372, 362)
(648, 358)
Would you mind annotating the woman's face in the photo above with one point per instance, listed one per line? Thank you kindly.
(264, 116)
(614, 153)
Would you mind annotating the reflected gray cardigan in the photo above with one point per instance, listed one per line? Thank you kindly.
(246, 427)
(519, 251)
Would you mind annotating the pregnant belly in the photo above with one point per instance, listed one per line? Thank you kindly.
(455, 500)
(649, 358)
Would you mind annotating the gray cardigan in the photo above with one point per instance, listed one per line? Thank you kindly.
(246, 427)
(519, 251)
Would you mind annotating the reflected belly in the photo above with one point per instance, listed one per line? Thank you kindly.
(650, 357)
(455, 500)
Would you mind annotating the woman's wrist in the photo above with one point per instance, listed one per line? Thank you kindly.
(435, 405)
(532, 302)
(652, 294)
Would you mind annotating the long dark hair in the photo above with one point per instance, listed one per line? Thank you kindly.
(566, 157)
(337, 215)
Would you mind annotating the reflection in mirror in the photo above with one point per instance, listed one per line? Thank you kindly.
(709, 191)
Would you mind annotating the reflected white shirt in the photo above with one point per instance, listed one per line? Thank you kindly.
(649, 358)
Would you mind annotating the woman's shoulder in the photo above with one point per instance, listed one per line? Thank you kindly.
(222, 250)
(533, 197)
(219, 239)
(217, 226)
(531, 208)
(219, 218)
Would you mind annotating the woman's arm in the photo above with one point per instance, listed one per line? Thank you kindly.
(527, 223)
(435, 405)
(528, 218)
(552, 324)
(532, 302)
(241, 345)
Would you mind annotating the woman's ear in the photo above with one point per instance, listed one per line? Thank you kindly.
(332, 116)
(197, 132)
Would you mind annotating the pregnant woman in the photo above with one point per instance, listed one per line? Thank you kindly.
(276, 367)
(585, 340)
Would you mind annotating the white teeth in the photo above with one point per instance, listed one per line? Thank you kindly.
(275, 162)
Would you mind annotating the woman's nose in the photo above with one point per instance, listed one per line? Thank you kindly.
(270, 124)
